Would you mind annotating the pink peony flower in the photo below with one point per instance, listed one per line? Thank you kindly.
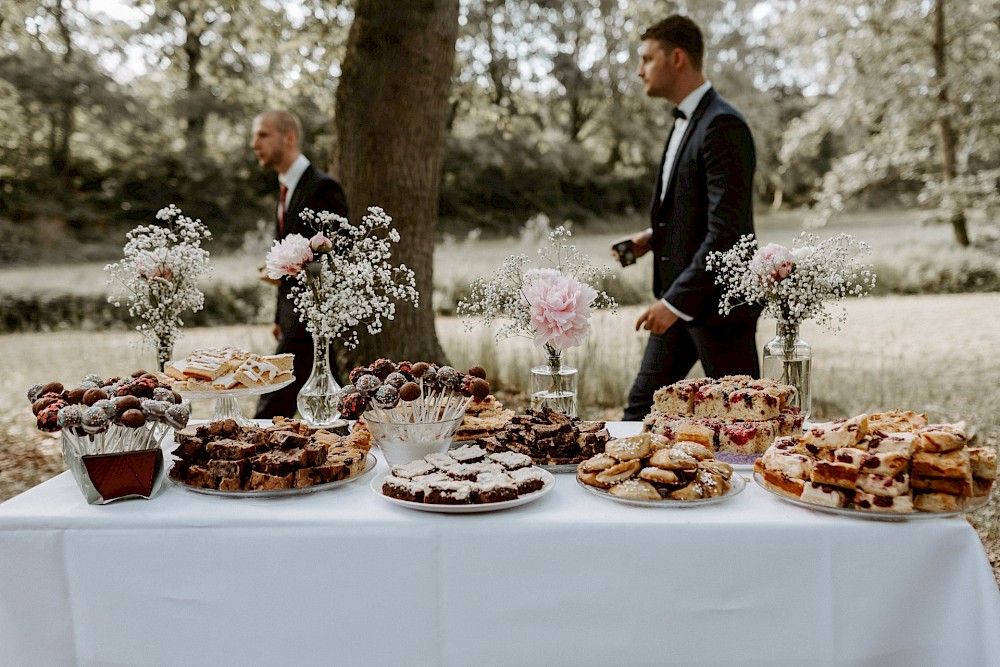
(320, 244)
(772, 263)
(288, 256)
(153, 264)
(559, 307)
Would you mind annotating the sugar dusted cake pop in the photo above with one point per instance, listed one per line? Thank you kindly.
(95, 420)
(367, 385)
(387, 397)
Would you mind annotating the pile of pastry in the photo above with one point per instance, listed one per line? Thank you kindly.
(225, 368)
(483, 419)
(465, 475)
(650, 467)
(893, 462)
(225, 456)
(549, 437)
(735, 414)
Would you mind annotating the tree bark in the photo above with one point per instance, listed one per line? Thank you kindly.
(954, 209)
(391, 111)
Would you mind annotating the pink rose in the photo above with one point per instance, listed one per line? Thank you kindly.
(288, 256)
(559, 307)
(320, 244)
(772, 263)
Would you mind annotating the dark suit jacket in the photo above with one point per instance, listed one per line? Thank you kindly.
(707, 207)
(316, 191)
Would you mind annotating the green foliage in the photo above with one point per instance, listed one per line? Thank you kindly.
(925, 269)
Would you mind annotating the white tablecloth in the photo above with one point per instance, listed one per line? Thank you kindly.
(344, 577)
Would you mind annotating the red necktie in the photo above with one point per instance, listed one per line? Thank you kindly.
(281, 210)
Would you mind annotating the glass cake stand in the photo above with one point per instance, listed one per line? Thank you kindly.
(227, 404)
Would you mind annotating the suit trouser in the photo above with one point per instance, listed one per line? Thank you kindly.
(282, 402)
(726, 349)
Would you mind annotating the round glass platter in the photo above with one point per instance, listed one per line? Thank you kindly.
(872, 515)
(736, 485)
(548, 482)
(284, 493)
(227, 400)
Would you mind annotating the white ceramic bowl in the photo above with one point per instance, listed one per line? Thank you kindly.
(408, 441)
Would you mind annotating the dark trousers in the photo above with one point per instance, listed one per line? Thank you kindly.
(282, 402)
(728, 349)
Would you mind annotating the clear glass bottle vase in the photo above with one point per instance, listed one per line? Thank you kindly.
(554, 385)
(317, 400)
(788, 359)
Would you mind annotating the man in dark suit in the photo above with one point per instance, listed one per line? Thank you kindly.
(702, 204)
(276, 140)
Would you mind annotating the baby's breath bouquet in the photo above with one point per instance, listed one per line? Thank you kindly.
(344, 276)
(160, 275)
(792, 285)
(344, 280)
(551, 305)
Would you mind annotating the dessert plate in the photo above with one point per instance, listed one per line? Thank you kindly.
(870, 514)
(547, 480)
(736, 485)
(283, 493)
(242, 392)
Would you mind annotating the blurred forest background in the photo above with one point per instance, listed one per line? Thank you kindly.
(110, 109)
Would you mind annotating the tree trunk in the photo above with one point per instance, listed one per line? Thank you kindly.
(392, 106)
(194, 110)
(954, 208)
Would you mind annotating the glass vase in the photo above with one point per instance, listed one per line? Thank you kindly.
(317, 400)
(164, 352)
(788, 359)
(554, 385)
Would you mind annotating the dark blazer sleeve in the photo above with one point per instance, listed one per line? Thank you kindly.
(728, 161)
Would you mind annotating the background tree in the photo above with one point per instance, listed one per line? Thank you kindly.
(392, 107)
(889, 71)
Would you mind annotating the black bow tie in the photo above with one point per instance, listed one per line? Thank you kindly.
(679, 114)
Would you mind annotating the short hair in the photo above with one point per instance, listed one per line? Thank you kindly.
(285, 122)
(680, 32)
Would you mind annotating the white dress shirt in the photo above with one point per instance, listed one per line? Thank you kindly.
(291, 178)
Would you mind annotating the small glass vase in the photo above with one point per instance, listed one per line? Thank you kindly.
(164, 352)
(554, 385)
(317, 400)
(788, 359)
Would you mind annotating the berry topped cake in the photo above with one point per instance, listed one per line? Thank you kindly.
(846, 463)
(736, 416)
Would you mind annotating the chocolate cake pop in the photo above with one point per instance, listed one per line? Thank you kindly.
(409, 392)
(351, 405)
(95, 420)
(70, 416)
(387, 397)
(367, 385)
(396, 380)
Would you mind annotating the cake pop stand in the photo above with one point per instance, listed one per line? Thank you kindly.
(227, 400)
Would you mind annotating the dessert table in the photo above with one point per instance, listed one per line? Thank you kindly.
(343, 577)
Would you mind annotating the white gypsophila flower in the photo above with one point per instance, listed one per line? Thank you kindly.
(350, 281)
(160, 275)
(504, 297)
(819, 272)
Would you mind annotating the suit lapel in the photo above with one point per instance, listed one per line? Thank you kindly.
(696, 117)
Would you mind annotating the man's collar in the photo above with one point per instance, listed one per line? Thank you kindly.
(691, 102)
(291, 177)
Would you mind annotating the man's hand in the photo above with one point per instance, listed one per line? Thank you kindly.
(641, 241)
(640, 244)
(656, 319)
